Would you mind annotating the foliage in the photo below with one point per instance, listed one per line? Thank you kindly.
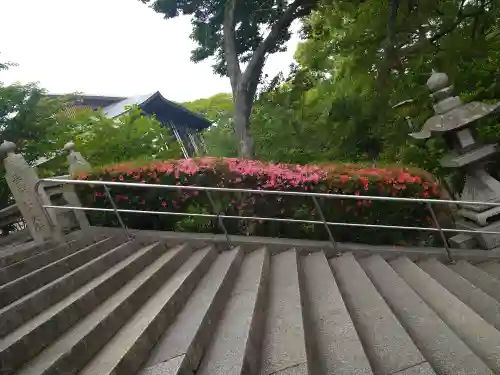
(439, 35)
(26, 116)
(102, 140)
(25, 119)
(218, 109)
(220, 139)
(296, 121)
(40, 126)
(337, 104)
(236, 173)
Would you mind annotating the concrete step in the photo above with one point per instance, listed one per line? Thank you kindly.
(475, 332)
(483, 280)
(171, 367)
(192, 330)
(284, 343)
(387, 345)
(491, 267)
(87, 233)
(41, 259)
(444, 350)
(185, 312)
(235, 348)
(483, 304)
(23, 309)
(19, 287)
(14, 254)
(76, 347)
(333, 343)
(15, 238)
(17, 253)
(29, 339)
(124, 352)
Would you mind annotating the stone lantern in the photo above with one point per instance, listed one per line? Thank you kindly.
(456, 122)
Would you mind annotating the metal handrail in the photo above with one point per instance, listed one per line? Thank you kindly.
(264, 218)
(314, 197)
(271, 192)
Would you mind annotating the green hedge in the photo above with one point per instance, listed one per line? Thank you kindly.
(237, 173)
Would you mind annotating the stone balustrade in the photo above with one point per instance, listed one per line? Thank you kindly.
(43, 224)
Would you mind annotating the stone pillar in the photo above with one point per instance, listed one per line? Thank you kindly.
(77, 164)
(22, 179)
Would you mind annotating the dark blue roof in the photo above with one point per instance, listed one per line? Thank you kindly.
(164, 110)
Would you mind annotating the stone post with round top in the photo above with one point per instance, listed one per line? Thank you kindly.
(22, 178)
(77, 165)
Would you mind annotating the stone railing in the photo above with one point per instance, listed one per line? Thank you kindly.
(42, 224)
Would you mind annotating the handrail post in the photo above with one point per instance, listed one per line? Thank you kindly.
(76, 165)
(76, 162)
(118, 216)
(441, 233)
(219, 220)
(39, 186)
(322, 217)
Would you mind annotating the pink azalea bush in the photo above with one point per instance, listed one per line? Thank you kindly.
(346, 179)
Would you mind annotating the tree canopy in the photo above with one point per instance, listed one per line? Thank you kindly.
(40, 126)
(360, 84)
(220, 139)
(104, 140)
(337, 103)
(27, 119)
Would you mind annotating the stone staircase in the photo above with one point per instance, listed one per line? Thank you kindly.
(100, 304)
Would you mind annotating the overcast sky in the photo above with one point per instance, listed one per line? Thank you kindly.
(107, 47)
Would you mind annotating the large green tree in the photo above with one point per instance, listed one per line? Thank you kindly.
(27, 119)
(237, 32)
(338, 104)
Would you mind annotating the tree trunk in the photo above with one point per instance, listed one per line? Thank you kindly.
(242, 109)
(244, 85)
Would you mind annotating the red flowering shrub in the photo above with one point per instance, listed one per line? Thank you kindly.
(236, 173)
